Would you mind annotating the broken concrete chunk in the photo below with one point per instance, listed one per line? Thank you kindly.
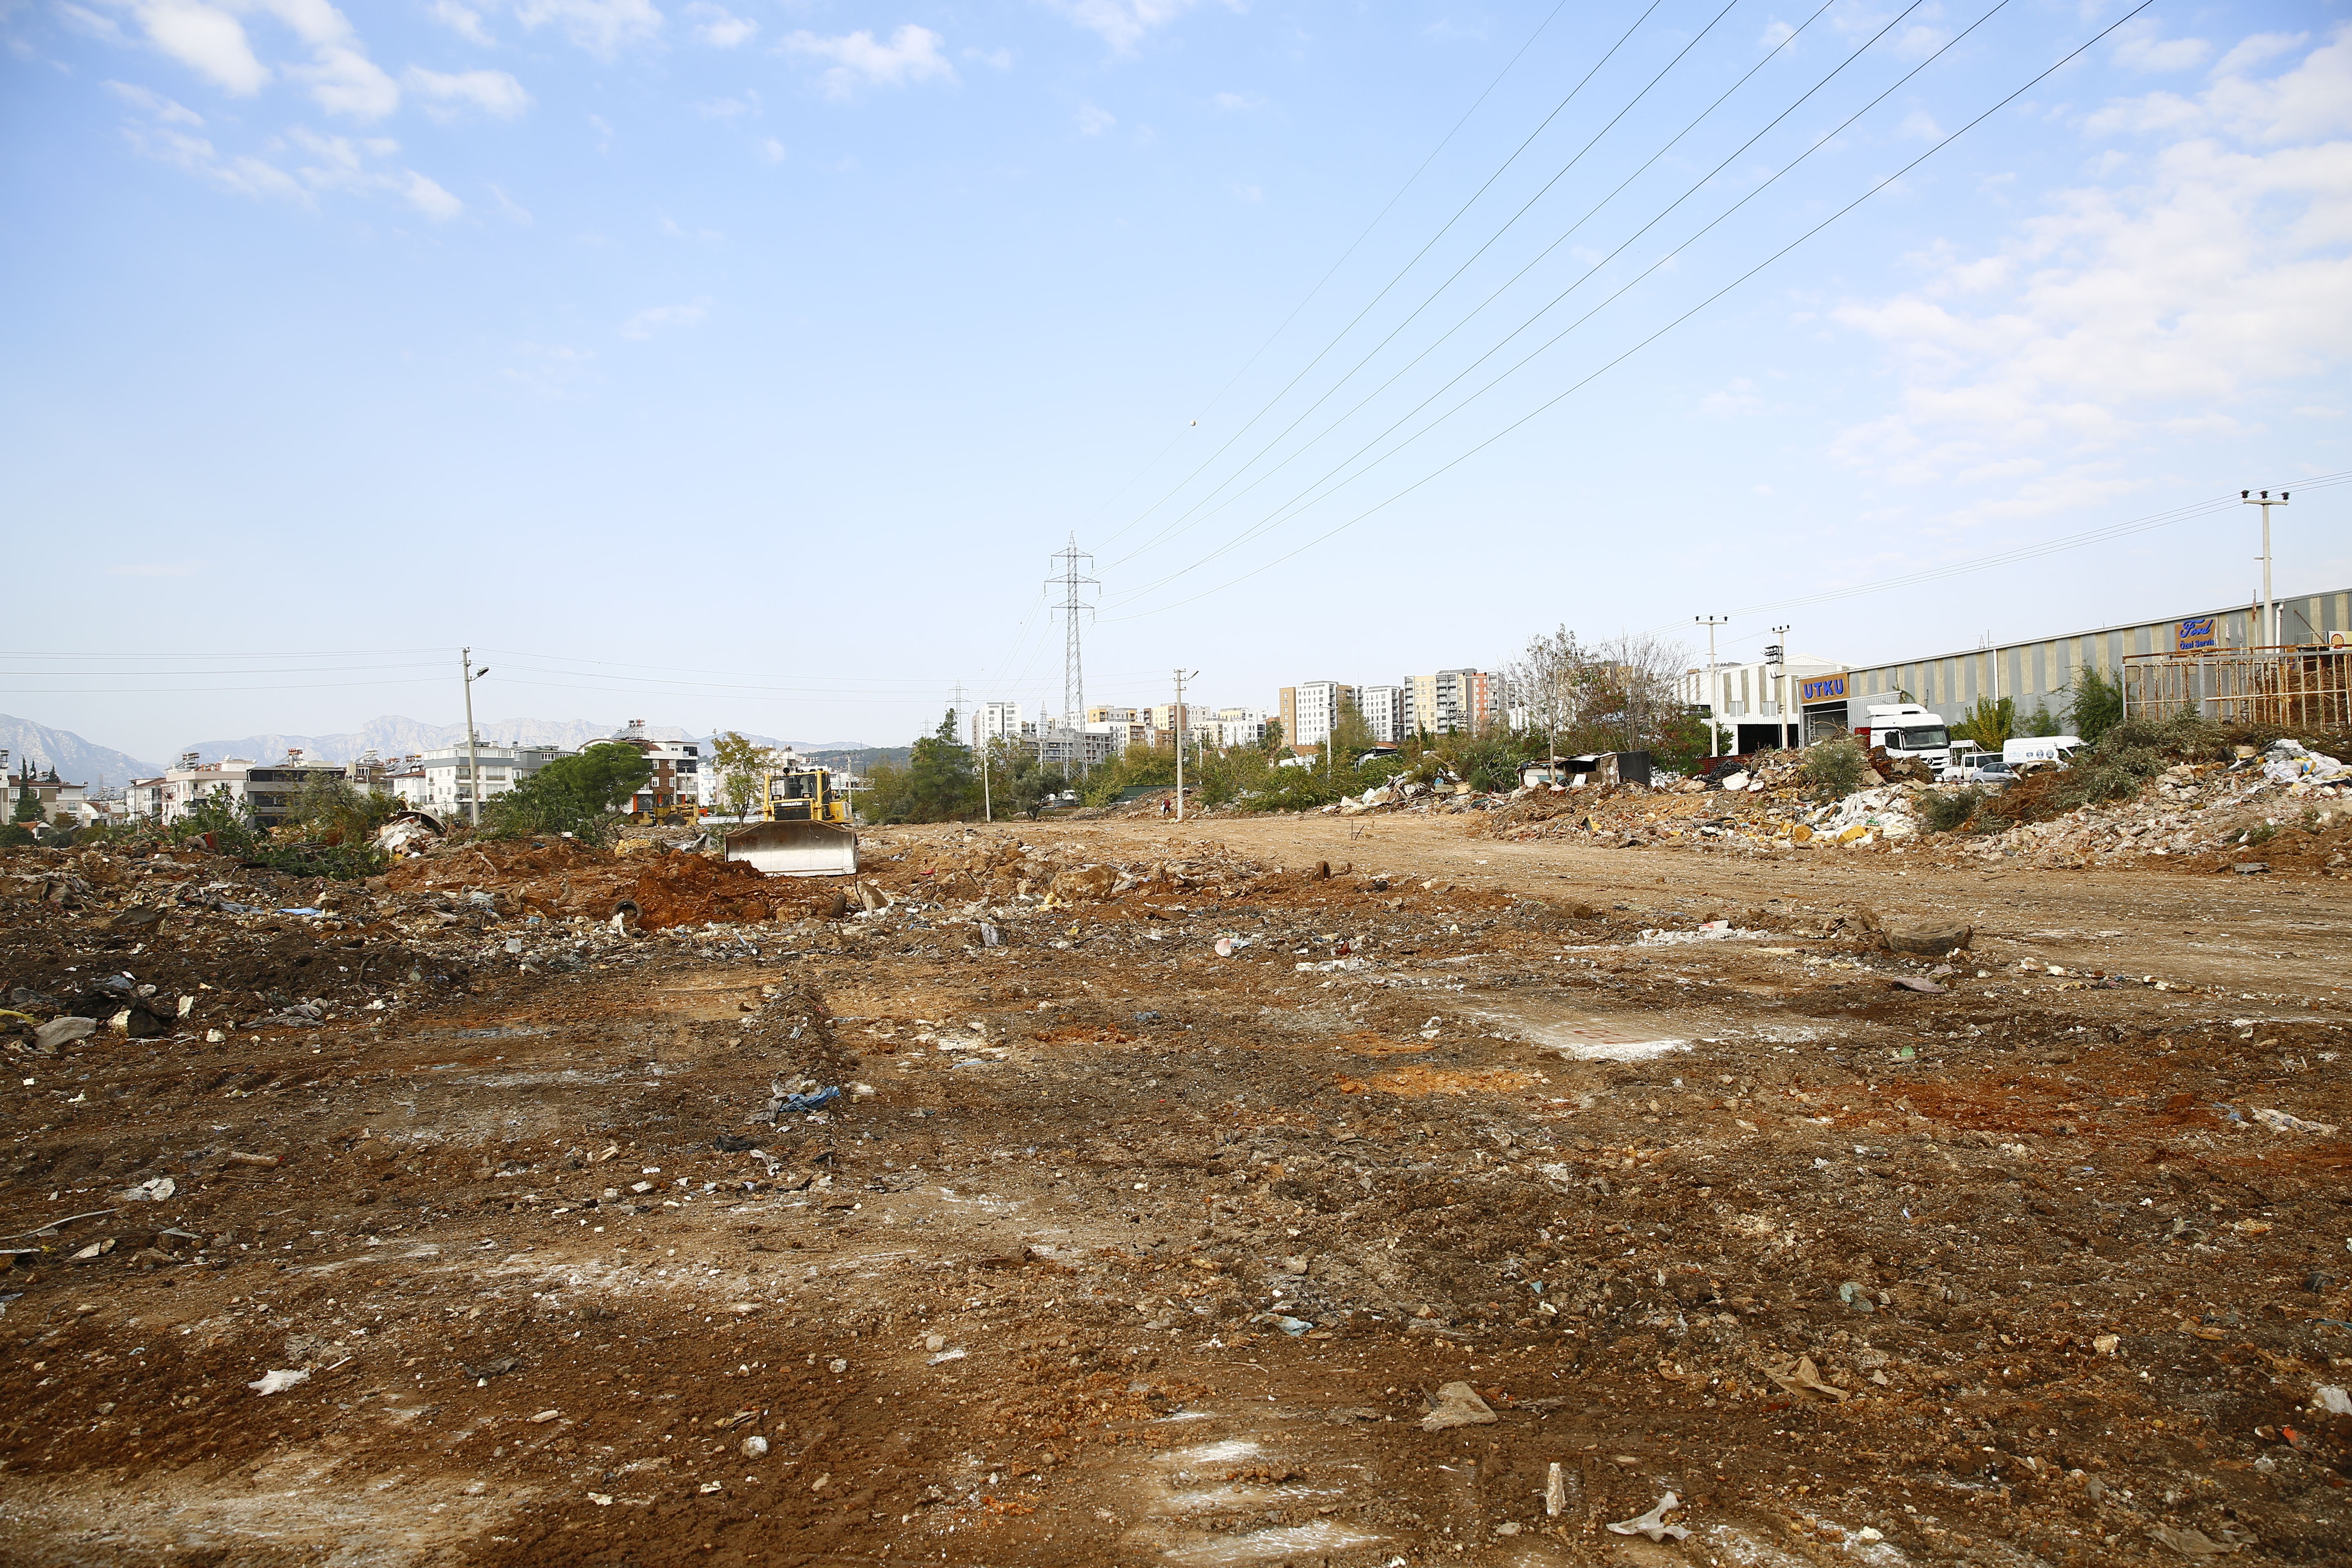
(1457, 1405)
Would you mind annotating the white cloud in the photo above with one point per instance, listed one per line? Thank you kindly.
(1093, 121)
(772, 150)
(1738, 399)
(601, 26)
(2248, 53)
(2138, 48)
(164, 109)
(644, 323)
(2131, 313)
(718, 26)
(727, 107)
(462, 20)
(911, 55)
(998, 58)
(1249, 193)
(207, 39)
(242, 175)
(1921, 124)
(427, 197)
(493, 92)
(1239, 102)
(1775, 34)
(344, 82)
(1123, 23)
(515, 211)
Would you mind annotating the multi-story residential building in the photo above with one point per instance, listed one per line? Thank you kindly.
(997, 721)
(676, 778)
(1310, 708)
(1388, 710)
(442, 781)
(1452, 701)
(192, 780)
(271, 793)
(60, 802)
(143, 800)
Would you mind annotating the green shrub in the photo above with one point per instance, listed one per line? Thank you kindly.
(1836, 768)
(1946, 809)
(15, 835)
(2097, 704)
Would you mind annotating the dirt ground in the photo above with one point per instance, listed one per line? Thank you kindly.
(1113, 1249)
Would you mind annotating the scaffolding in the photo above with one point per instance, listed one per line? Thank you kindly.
(2306, 686)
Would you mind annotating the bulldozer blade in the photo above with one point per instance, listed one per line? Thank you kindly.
(796, 849)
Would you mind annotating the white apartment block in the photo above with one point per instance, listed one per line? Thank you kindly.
(998, 721)
(442, 781)
(1311, 708)
(1388, 710)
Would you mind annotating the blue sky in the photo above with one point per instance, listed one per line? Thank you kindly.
(743, 363)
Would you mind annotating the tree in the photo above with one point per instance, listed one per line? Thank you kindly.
(1989, 724)
(28, 806)
(330, 808)
(1544, 680)
(576, 795)
(941, 783)
(2098, 704)
(743, 763)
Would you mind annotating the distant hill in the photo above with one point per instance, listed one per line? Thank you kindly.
(77, 760)
(394, 736)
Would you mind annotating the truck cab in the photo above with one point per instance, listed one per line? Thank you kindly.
(1908, 730)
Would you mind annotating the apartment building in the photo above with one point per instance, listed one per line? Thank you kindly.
(1311, 709)
(1388, 710)
(676, 777)
(997, 721)
(273, 792)
(442, 781)
(1453, 700)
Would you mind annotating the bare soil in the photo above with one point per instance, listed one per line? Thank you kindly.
(1138, 1254)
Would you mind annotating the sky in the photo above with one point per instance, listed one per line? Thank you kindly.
(737, 363)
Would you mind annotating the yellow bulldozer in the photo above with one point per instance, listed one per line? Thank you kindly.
(803, 828)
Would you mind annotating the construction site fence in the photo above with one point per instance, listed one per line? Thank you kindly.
(2297, 686)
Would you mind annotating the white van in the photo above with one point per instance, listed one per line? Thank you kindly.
(2058, 749)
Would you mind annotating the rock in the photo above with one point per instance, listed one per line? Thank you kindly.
(2249, 869)
(1089, 882)
(1457, 1405)
(1931, 938)
(754, 1446)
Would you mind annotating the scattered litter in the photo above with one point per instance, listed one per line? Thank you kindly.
(1914, 983)
(279, 1381)
(2280, 1122)
(1654, 1523)
(154, 1190)
(1456, 1405)
(1802, 1376)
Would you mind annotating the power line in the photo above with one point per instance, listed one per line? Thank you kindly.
(1445, 229)
(1307, 496)
(1560, 240)
(1610, 364)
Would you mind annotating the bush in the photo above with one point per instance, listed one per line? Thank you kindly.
(574, 795)
(15, 835)
(2097, 705)
(1837, 768)
(1944, 810)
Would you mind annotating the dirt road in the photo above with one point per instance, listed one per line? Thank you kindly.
(1154, 1212)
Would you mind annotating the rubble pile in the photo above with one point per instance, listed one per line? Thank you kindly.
(559, 878)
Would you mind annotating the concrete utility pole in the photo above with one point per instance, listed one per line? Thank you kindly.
(1183, 724)
(1779, 652)
(2270, 605)
(1714, 734)
(987, 812)
(473, 755)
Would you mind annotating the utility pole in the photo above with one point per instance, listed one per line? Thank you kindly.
(472, 753)
(1074, 684)
(1714, 735)
(987, 812)
(1779, 654)
(2270, 605)
(1183, 722)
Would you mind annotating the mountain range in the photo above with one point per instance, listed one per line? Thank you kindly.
(76, 760)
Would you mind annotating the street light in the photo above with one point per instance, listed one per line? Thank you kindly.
(473, 754)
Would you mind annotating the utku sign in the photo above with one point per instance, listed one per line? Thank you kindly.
(1823, 688)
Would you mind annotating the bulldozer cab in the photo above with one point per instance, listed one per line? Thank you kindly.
(802, 795)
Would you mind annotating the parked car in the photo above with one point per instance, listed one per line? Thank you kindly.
(1964, 764)
(1992, 775)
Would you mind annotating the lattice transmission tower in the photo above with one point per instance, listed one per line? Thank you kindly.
(1070, 581)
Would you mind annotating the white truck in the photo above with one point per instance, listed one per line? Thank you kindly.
(2053, 748)
(1907, 729)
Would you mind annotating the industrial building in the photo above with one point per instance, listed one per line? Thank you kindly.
(2210, 660)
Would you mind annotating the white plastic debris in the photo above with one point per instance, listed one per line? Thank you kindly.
(279, 1381)
(2280, 1122)
(2333, 1400)
(1654, 1523)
